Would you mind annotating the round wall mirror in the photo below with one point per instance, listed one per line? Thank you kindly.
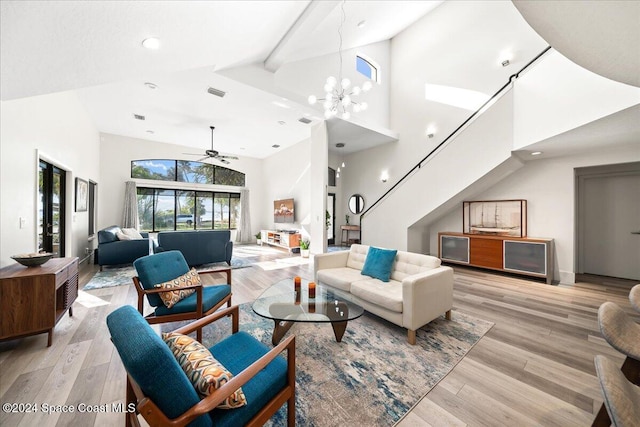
(356, 204)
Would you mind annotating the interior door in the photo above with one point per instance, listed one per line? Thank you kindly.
(611, 212)
(51, 208)
(331, 210)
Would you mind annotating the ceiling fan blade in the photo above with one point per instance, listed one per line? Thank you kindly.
(227, 157)
(203, 158)
(221, 160)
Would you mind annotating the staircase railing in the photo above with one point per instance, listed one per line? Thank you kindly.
(452, 134)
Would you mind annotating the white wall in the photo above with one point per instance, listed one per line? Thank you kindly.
(58, 127)
(548, 185)
(556, 95)
(307, 77)
(470, 35)
(287, 174)
(318, 187)
(116, 154)
(481, 147)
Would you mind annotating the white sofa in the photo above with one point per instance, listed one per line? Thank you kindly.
(419, 290)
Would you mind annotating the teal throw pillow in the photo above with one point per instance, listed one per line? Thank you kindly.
(379, 262)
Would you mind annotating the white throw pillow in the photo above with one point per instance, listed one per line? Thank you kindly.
(133, 233)
(121, 236)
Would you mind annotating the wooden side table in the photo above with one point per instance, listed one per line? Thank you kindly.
(346, 229)
(34, 299)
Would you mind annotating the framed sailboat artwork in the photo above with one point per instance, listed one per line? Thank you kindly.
(495, 217)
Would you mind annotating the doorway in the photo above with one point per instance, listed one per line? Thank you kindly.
(330, 215)
(51, 209)
(608, 219)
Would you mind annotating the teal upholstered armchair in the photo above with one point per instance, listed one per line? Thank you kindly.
(167, 266)
(164, 395)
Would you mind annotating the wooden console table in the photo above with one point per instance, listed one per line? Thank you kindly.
(34, 299)
(347, 229)
(521, 255)
(282, 239)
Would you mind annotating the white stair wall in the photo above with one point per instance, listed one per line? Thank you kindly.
(553, 97)
(484, 145)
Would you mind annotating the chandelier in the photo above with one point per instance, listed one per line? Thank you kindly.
(339, 93)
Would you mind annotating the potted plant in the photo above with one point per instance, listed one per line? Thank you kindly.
(304, 248)
(259, 238)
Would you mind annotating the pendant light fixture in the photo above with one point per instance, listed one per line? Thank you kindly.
(338, 99)
(340, 146)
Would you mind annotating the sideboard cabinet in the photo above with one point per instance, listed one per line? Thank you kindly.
(34, 299)
(529, 256)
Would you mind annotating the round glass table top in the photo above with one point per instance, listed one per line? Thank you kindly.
(280, 302)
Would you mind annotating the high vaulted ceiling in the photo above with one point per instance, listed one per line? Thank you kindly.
(94, 48)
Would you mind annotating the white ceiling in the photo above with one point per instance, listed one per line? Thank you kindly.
(94, 48)
(618, 129)
(601, 36)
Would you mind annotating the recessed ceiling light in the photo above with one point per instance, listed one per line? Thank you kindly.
(151, 43)
(275, 146)
(536, 153)
(282, 122)
(150, 131)
(362, 24)
(151, 85)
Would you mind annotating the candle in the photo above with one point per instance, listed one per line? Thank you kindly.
(312, 290)
(296, 284)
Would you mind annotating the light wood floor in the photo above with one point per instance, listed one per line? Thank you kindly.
(534, 367)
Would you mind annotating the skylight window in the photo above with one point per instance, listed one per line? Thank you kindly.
(367, 68)
(455, 96)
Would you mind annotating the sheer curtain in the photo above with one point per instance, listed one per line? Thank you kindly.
(243, 233)
(130, 211)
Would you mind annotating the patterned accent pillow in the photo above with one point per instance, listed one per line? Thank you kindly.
(176, 293)
(133, 233)
(203, 370)
(121, 236)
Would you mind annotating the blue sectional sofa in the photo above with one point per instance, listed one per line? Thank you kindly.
(112, 251)
(198, 246)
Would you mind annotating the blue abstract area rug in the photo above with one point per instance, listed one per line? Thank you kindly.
(373, 377)
(118, 276)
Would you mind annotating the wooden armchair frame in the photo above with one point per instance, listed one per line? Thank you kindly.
(191, 315)
(155, 417)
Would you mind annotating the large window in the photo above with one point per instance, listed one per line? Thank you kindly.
(198, 172)
(164, 209)
(186, 171)
(163, 170)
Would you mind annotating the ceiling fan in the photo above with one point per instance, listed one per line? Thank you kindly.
(213, 154)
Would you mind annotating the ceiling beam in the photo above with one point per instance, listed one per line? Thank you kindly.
(315, 12)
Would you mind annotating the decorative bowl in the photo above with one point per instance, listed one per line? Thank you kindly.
(33, 260)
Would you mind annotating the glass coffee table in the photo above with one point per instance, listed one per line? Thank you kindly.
(282, 304)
